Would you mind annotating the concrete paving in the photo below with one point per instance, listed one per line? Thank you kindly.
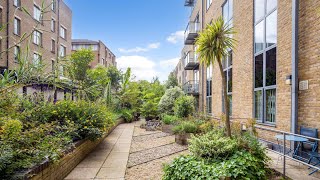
(109, 160)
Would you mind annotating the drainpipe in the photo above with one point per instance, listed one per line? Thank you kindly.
(8, 26)
(295, 60)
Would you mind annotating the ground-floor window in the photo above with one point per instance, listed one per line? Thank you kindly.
(209, 96)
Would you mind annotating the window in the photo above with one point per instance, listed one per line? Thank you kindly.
(103, 62)
(53, 46)
(36, 59)
(265, 60)
(62, 51)
(53, 64)
(53, 25)
(17, 3)
(209, 2)
(227, 11)
(16, 53)
(37, 13)
(61, 71)
(17, 26)
(63, 32)
(37, 38)
(227, 68)
(209, 90)
(53, 5)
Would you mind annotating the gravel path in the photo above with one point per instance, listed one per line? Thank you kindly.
(150, 170)
(139, 132)
(154, 153)
(147, 137)
(144, 145)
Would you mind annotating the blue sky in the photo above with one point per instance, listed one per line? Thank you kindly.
(146, 35)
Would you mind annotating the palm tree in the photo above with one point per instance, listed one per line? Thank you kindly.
(213, 46)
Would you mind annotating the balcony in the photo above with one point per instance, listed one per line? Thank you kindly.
(191, 33)
(191, 88)
(191, 61)
(189, 3)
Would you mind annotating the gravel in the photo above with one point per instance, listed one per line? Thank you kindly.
(140, 132)
(153, 136)
(154, 153)
(139, 146)
(150, 170)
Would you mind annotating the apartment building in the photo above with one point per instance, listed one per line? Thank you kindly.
(46, 30)
(103, 55)
(273, 73)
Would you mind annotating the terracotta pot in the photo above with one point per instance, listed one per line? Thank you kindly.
(182, 139)
(167, 128)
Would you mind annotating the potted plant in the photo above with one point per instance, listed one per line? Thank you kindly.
(183, 132)
(168, 123)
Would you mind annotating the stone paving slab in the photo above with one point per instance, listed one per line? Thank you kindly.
(109, 159)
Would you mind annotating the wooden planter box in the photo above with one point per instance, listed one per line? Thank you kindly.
(59, 170)
(182, 139)
(167, 128)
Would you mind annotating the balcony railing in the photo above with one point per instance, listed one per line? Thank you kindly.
(191, 87)
(191, 61)
(191, 33)
(189, 3)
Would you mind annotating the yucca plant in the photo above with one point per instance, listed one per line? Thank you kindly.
(214, 43)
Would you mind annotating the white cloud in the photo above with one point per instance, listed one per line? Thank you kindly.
(176, 37)
(140, 49)
(145, 69)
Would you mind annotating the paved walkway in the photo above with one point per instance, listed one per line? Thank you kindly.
(109, 159)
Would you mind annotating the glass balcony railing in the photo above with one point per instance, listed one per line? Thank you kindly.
(191, 87)
(191, 61)
(191, 33)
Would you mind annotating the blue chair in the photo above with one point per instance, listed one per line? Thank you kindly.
(311, 146)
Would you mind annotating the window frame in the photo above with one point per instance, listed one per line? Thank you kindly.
(64, 50)
(17, 3)
(53, 25)
(36, 7)
(37, 41)
(209, 72)
(39, 58)
(17, 30)
(208, 5)
(264, 88)
(65, 32)
(16, 53)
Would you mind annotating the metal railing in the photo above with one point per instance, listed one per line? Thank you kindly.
(193, 27)
(283, 153)
(191, 87)
(190, 58)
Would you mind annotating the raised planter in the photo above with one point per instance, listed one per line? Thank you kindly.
(167, 128)
(182, 139)
(59, 170)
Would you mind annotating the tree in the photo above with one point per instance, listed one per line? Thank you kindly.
(79, 64)
(172, 81)
(167, 101)
(115, 77)
(214, 44)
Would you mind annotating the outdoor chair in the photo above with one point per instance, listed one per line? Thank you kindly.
(311, 146)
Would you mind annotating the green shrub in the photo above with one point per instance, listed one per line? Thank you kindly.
(127, 115)
(166, 104)
(185, 127)
(167, 119)
(212, 145)
(11, 129)
(184, 106)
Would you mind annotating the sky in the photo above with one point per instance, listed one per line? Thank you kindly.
(146, 35)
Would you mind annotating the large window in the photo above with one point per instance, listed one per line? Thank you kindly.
(16, 53)
(62, 51)
(227, 12)
(53, 25)
(36, 59)
(209, 90)
(227, 68)
(17, 26)
(53, 5)
(265, 60)
(37, 38)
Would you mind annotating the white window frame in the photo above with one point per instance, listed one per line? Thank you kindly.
(53, 24)
(63, 32)
(37, 37)
(37, 15)
(37, 61)
(17, 26)
(64, 52)
(17, 3)
(16, 53)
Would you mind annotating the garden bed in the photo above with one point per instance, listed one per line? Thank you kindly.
(66, 164)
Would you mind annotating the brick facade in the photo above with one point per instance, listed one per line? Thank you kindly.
(103, 55)
(63, 18)
(243, 62)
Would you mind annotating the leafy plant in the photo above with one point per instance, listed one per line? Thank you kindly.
(212, 145)
(186, 127)
(166, 104)
(127, 115)
(172, 81)
(167, 119)
(184, 106)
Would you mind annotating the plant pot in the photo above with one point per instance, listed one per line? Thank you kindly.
(182, 139)
(167, 128)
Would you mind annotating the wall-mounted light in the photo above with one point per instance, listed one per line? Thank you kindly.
(289, 80)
